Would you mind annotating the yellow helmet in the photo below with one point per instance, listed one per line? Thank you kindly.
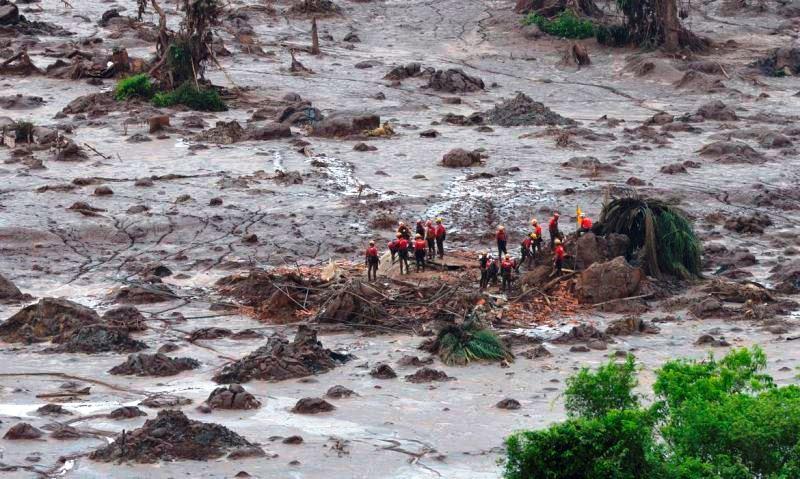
(439, 220)
(534, 221)
(557, 241)
(501, 227)
(533, 236)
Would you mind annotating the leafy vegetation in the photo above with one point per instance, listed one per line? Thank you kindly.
(202, 99)
(460, 344)
(710, 419)
(658, 231)
(136, 86)
(566, 24)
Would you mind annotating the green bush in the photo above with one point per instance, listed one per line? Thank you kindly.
(459, 344)
(136, 86)
(203, 99)
(566, 24)
(710, 420)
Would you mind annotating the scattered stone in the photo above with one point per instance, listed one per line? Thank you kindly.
(45, 320)
(630, 325)
(154, 365)
(96, 338)
(9, 292)
(524, 111)
(402, 72)
(383, 371)
(53, 410)
(732, 152)
(509, 404)
(454, 80)
(22, 431)
(414, 361)
(209, 333)
(217, 201)
(351, 37)
(580, 333)
(709, 340)
(171, 436)
(753, 224)
(144, 294)
(160, 401)
(535, 353)
(589, 164)
(716, 110)
(607, 281)
(364, 147)
(293, 440)
(126, 412)
(339, 392)
(673, 168)
(427, 375)
(232, 397)
(345, 126)
(312, 406)
(579, 348)
(461, 158)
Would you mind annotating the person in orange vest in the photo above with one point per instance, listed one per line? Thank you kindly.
(502, 240)
(372, 262)
(402, 251)
(537, 230)
(419, 252)
(552, 227)
(506, 272)
(526, 253)
(441, 234)
(430, 237)
(586, 224)
(559, 256)
(393, 247)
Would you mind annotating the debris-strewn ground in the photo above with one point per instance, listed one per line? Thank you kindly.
(153, 259)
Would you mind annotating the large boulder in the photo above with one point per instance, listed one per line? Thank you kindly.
(454, 80)
(45, 320)
(10, 292)
(269, 131)
(9, 13)
(461, 158)
(786, 277)
(613, 279)
(591, 248)
(343, 126)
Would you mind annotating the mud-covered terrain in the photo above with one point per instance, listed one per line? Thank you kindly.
(114, 234)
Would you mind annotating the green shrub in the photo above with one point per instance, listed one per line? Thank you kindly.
(592, 395)
(136, 86)
(179, 62)
(566, 24)
(459, 344)
(612, 35)
(203, 99)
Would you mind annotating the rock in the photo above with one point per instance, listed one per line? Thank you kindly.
(312, 406)
(86, 209)
(460, 158)
(786, 277)
(143, 182)
(402, 72)
(223, 133)
(427, 375)
(171, 436)
(96, 338)
(382, 371)
(461, 120)
(579, 349)
(753, 224)
(351, 37)
(53, 410)
(535, 353)
(103, 191)
(209, 333)
(339, 392)
(732, 152)
(413, 361)
(159, 401)
(364, 147)
(660, 118)
(158, 123)
(580, 333)
(154, 365)
(246, 334)
(709, 340)
(532, 32)
(107, 16)
(64, 432)
(630, 325)
(22, 431)
(363, 65)
(576, 55)
(454, 80)
(45, 320)
(524, 111)
(597, 344)
(451, 100)
(509, 404)
(279, 360)
(19, 101)
(633, 181)
(270, 131)
(716, 110)
(706, 308)
(232, 397)
(9, 292)
(607, 281)
(589, 164)
(344, 126)
(9, 14)
(293, 440)
(784, 61)
(138, 138)
(168, 347)
(126, 412)
(591, 248)
(673, 169)
(144, 294)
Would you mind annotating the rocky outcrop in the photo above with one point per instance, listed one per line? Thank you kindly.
(312, 406)
(461, 158)
(9, 291)
(454, 80)
(606, 281)
(154, 365)
(232, 397)
(524, 111)
(629, 326)
(45, 320)
(345, 125)
(591, 248)
(97, 338)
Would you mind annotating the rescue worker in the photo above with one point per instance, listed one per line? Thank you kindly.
(393, 247)
(506, 271)
(419, 252)
(430, 237)
(404, 231)
(586, 224)
(559, 256)
(483, 264)
(502, 239)
(537, 230)
(553, 229)
(402, 251)
(420, 229)
(441, 234)
(526, 254)
(494, 270)
(372, 262)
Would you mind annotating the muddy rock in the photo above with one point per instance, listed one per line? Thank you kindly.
(731, 152)
(454, 80)
(144, 294)
(171, 436)
(535, 353)
(707, 308)
(9, 13)
(364, 147)
(232, 397)
(126, 412)
(293, 440)
(223, 133)
(709, 340)
(340, 392)
(382, 371)
(154, 365)
(93, 105)
(20, 102)
(786, 277)
(716, 110)
(345, 126)
(427, 375)
(280, 359)
(673, 169)
(53, 410)
(312, 406)
(579, 334)
(126, 317)
(591, 248)
(96, 338)
(753, 224)
(629, 326)
(22, 431)
(589, 164)
(9, 291)
(209, 333)
(160, 401)
(613, 279)
(409, 361)
(784, 61)
(508, 404)
(45, 320)
(269, 131)
(402, 72)
(461, 158)
(524, 111)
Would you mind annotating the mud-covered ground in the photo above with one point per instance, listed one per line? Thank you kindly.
(393, 428)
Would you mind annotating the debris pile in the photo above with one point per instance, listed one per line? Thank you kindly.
(524, 111)
(312, 406)
(454, 80)
(427, 375)
(46, 320)
(232, 397)
(96, 338)
(154, 365)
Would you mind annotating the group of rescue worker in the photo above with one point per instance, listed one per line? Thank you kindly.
(428, 242)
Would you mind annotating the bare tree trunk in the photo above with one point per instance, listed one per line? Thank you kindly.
(672, 26)
(314, 37)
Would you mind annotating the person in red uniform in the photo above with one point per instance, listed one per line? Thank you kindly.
(430, 237)
(506, 272)
(552, 227)
(393, 247)
(404, 231)
(402, 251)
(483, 264)
(526, 253)
(537, 230)
(559, 256)
(372, 262)
(419, 253)
(420, 228)
(502, 240)
(586, 224)
(441, 234)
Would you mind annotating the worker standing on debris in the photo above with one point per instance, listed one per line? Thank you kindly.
(526, 253)
(494, 269)
(585, 224)
(372, 262)
(420, 229)
(393, 246)
(402, 251)
(441, 234)
(506, 271)
(559, 256)
(537, 230)
(502, 239)
(553, 229)
(419, 253)
(430, 237)
(404, 231)
(483, 264)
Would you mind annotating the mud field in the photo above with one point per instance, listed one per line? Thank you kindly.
(152, 221)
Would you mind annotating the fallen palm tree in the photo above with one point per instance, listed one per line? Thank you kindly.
(460, 344)
(660, 235)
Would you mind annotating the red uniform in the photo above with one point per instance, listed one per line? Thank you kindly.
(526, 243)
(507, 265)
(501, 235)
(586, 223)
(420, 245)
(372, 252)
(553, 223)
(440, 231)
(392, 245)
(431, 235)
(538, 231)
(559, 252)
(402, 244)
